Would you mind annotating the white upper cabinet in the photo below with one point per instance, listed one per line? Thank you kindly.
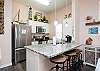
(34, 24)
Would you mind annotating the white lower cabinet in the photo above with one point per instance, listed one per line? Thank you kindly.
(37, 62)
(91, 55)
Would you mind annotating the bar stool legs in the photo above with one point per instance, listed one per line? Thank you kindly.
(57, 67)
(63, 67)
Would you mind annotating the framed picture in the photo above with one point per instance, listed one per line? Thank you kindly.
(93, 30)
(1, 16)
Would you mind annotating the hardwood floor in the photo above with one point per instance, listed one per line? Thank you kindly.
(22, 67)
(18, 67)
(88, 68)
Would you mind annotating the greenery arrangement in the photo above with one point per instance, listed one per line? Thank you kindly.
(35, 18)
(45, 20)
(38, 17)
(69, 15)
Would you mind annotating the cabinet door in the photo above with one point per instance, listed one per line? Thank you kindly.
(90, 57)
(47, 27)
(98, 56)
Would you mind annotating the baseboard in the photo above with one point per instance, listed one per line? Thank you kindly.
(89, 64)
(6, 65)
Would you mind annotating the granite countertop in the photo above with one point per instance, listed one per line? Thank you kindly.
(50, 50)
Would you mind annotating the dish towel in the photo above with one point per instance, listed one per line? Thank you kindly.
(98, 65)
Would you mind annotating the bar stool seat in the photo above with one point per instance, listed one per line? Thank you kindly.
(71, 54)
(58, 60)
(77, 50)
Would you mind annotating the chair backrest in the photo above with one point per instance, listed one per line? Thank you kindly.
(98, 65)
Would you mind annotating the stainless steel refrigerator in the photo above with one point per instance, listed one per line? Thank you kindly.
(21, 36)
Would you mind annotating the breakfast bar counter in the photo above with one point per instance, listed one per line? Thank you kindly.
(38, 55)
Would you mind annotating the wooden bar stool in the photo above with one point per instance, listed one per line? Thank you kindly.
(72, 58)
(58, 60)
(79, 56)
(75, 58)
(78, 50)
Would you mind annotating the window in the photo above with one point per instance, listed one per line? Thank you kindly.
(59, 31)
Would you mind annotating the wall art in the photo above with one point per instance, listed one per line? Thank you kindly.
(1, 16)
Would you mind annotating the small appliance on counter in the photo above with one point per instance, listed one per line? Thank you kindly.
(69, 38)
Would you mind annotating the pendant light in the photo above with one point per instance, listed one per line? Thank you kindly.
(55, 21)
(66, 24)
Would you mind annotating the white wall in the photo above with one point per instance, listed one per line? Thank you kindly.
(23, 11)
(60, 13)
(80, 10)
(5, 39)
(88, 8)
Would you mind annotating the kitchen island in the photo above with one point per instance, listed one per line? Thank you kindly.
(38, 55)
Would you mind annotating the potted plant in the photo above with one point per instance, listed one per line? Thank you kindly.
(35, 18)
(44, 19)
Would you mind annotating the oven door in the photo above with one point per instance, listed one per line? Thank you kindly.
(20, 55)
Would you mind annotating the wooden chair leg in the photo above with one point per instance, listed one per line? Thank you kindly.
(57, 67)
(63, 67)
(52, 68)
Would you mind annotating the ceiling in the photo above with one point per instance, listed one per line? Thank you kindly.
(51, 7)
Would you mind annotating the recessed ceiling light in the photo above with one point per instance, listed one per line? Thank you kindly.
(44, 2)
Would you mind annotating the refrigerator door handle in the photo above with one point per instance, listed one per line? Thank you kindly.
(20, 49)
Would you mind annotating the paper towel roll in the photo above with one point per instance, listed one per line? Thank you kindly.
(54, 40)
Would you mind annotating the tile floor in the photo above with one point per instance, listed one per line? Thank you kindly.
(22, 67)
